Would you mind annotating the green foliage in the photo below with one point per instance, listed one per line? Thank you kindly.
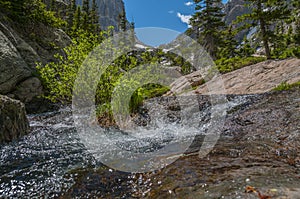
(229, 47)
(38, 12)
(265, 14)
(146, 92)
(27, 11)
(285, 86)
(58, 77)
(83, 17)
(225, 65)
(246, 50)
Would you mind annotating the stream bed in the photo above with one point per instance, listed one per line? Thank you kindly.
(259, 147)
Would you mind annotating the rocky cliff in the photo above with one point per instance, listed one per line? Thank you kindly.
(21, 46)
(233, 9)
(109, 12)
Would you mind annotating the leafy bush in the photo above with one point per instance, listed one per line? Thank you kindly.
(58, 77)
(287, 53)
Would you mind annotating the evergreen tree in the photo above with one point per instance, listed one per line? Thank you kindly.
(86, 6)
(95, 26)
(71, 13)
(265, 14)
(296, 20)
(246, 50)
(132, 32)
(209, 24)
(77, 19)
(85, 14)
(228, 49)
(52, 5)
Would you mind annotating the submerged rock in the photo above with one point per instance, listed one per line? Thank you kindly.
(13, 120)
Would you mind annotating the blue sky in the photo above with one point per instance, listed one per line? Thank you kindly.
(168, 14)
(158, 13)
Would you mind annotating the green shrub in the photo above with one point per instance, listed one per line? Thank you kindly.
(285, 86)
(28, 11)
(225, 65)
(58, 77)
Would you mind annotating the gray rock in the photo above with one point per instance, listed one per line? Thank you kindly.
(109, 12)
(13, 68)
(233, 9)
(29, 89)
(13, 120)
(19, 53)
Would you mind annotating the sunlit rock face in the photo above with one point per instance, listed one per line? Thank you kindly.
(109, 12)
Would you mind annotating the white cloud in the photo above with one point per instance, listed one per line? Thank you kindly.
(171, 11)
(188, 3)
(184, 18)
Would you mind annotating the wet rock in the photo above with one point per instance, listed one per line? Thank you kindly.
(259, 147)
(13, 120)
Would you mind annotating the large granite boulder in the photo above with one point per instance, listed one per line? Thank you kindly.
(13, 120)
(13, 68)
(21, 47)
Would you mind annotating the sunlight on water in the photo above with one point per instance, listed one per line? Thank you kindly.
(36, 165)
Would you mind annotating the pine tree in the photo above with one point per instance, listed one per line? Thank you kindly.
(265, 14)
(246, 50)
(71, 13)
(228, 50)
(132, 32)
(85, 15)
(77, 19)
(95, 26)
(86, 6)
(296, 20)
(209, 24)
(52, 5)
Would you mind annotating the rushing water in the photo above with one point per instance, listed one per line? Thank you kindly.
(36, 165)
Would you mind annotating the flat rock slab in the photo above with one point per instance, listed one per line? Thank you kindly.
(254, 79)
